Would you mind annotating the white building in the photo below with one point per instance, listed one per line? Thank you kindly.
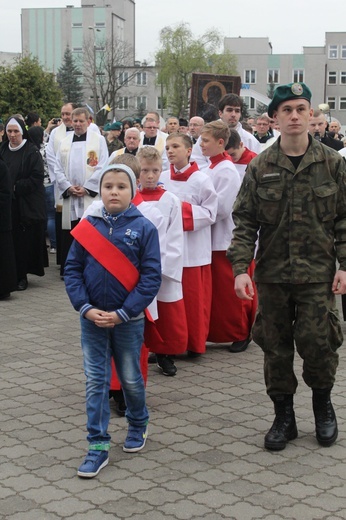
(323, 69)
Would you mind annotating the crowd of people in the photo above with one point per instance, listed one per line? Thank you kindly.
(172, 236)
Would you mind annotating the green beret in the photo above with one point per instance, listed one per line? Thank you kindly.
(106, 127)
(286, 92)
(115, 126)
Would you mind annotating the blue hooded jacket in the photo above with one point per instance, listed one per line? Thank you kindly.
(89, 285)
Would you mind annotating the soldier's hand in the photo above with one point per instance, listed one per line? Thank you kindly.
(243, 287)
(339, 282)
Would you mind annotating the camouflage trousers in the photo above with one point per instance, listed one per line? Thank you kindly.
(303, 315)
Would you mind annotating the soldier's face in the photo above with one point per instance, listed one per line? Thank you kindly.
(293, 116)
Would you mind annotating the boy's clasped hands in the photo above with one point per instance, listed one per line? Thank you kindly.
(102, 318)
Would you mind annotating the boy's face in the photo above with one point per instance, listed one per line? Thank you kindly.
(177, 153)
(150, 173)
(236, 153)
(230, 115)
(116, 192)
(211, 146)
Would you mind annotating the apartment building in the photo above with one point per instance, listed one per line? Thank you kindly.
(322, 68)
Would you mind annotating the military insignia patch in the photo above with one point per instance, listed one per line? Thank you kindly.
(297, 89)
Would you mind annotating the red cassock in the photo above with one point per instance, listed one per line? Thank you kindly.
(231, 318)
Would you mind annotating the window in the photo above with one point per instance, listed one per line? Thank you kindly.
(249, 76)
(77, 25)
(99, 47)
(123, 79)
(331, 102)
(333, 52)
(343, 52)
(161, 103)
(119, 28)
(298, 75)
(250, 102)
(141, 78)
(343, 78)
(273, 76)
(77, 49)
(123, 103)
(100, 24)
(342, 103)
(331, 78)
(141, 102)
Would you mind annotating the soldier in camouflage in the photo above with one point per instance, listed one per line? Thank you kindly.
(293, 198)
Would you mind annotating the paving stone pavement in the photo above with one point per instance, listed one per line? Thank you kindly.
(204, 458)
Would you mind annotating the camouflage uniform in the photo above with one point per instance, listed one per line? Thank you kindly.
(114, 145)
(300, 217)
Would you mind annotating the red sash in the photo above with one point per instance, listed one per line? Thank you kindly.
(117, 264)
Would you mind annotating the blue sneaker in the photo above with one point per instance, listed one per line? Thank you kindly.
(136, 437)
(93, 463)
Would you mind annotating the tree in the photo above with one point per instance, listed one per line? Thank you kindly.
(245, 111)
(261, 107)
(67, 78)
(181, 54)
(26, 87)
(108, 68)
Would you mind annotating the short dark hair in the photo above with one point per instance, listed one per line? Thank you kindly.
(234, 140)
(32, 118)
(231, 100)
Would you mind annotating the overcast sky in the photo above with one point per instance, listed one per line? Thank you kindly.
(288, 25)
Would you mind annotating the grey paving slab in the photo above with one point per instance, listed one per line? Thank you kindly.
(204, 458)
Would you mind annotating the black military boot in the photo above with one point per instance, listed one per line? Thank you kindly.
(284, 427)
(325, 420)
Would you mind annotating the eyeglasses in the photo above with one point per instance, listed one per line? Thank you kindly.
(150, 127)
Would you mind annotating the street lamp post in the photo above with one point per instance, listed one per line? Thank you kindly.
(94, 71)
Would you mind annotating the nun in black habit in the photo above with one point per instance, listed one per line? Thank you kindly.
(25, 166)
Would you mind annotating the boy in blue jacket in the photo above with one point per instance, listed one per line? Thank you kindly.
(112, 273)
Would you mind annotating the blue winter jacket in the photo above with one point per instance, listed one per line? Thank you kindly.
(89, 285)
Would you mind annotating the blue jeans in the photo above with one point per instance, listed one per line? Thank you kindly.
(124, 343)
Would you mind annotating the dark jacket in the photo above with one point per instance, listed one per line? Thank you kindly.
(88, 284)
(331, 142)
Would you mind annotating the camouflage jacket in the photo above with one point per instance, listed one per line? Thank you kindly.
(299, 216)
(114, 145)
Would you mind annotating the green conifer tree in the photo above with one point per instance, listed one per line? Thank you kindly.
(68, 79)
